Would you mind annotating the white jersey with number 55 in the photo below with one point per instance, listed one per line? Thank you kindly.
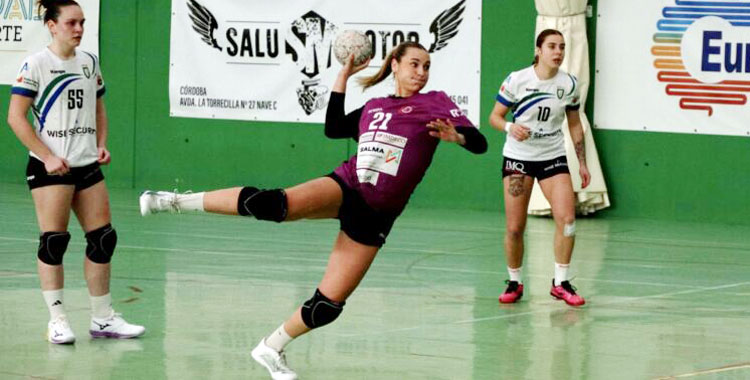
(64, 94)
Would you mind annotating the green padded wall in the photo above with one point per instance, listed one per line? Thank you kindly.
(650, 175)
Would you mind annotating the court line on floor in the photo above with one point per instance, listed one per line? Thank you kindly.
(26, 376)
(731, 367)
(610, 237)
(513, 315)
(325, 260)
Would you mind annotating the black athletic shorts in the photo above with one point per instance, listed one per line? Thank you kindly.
(535, 169)
(82, 177)
(359, 221)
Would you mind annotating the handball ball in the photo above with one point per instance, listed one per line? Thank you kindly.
(352, 42)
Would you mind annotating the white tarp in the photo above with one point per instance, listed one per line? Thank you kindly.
(22, 33)
(685, 68)
(569, 17)
(272, 60)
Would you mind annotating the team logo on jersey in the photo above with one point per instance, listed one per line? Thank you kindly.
(406, 109)
(393, 155)
(560, 92)
(86, 71)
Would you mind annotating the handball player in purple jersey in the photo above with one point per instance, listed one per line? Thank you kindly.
(397, 137)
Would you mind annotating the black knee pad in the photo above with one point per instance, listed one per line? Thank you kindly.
(263, 204)
(101, 244)
(52, 246)
(319, 310)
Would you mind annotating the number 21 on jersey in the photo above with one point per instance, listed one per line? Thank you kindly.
(380, 121)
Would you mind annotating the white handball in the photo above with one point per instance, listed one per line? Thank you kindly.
(352, 42)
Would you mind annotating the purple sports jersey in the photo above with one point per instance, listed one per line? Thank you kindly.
(395, 147)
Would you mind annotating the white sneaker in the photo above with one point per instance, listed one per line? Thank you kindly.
(114, 327)
(158, 201)
(275, 362)
(59, 331)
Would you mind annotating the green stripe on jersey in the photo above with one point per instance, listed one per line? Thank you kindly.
(52, 85)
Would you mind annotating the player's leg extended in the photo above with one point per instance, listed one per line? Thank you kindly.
(347, 265)
(318, 198)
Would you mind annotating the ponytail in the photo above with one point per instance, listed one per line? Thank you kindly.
(52, 8)
(385, 69)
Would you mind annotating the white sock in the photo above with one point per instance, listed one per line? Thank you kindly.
(54, 301)
(561, 273)
(515, 274)
(191, 201)
(101, 306)
(278, 339)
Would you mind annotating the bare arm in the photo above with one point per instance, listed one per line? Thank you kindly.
(576, 134)
(497, 121)
(102, 124)
(17, 111)
(102, 131)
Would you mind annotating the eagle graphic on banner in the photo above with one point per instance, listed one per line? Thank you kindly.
(204, 23)
(445, 26)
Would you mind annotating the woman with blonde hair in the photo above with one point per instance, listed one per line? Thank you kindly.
(397, 137)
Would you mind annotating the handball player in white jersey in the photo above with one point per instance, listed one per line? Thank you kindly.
(540, 98)
(63, 87)
(397, 137)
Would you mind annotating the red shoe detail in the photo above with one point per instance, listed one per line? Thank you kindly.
(512, 293)
(567, 293)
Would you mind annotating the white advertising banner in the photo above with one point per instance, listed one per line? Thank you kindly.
(22, 33)
(273, 60)
(673, 66)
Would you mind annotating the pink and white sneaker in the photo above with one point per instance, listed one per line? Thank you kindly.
(567, 293)
(512, 293)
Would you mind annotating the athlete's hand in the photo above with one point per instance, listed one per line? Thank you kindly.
(103, 156)
(56, 166)
(585, 176)
(445, 130)
(518, 131)
(349, 69)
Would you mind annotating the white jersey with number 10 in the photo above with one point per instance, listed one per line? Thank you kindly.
(539, 105)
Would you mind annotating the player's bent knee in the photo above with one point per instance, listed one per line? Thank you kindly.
(569, 229)
(101, 244)
(263, 204)
(319, 310)
(52, 247)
